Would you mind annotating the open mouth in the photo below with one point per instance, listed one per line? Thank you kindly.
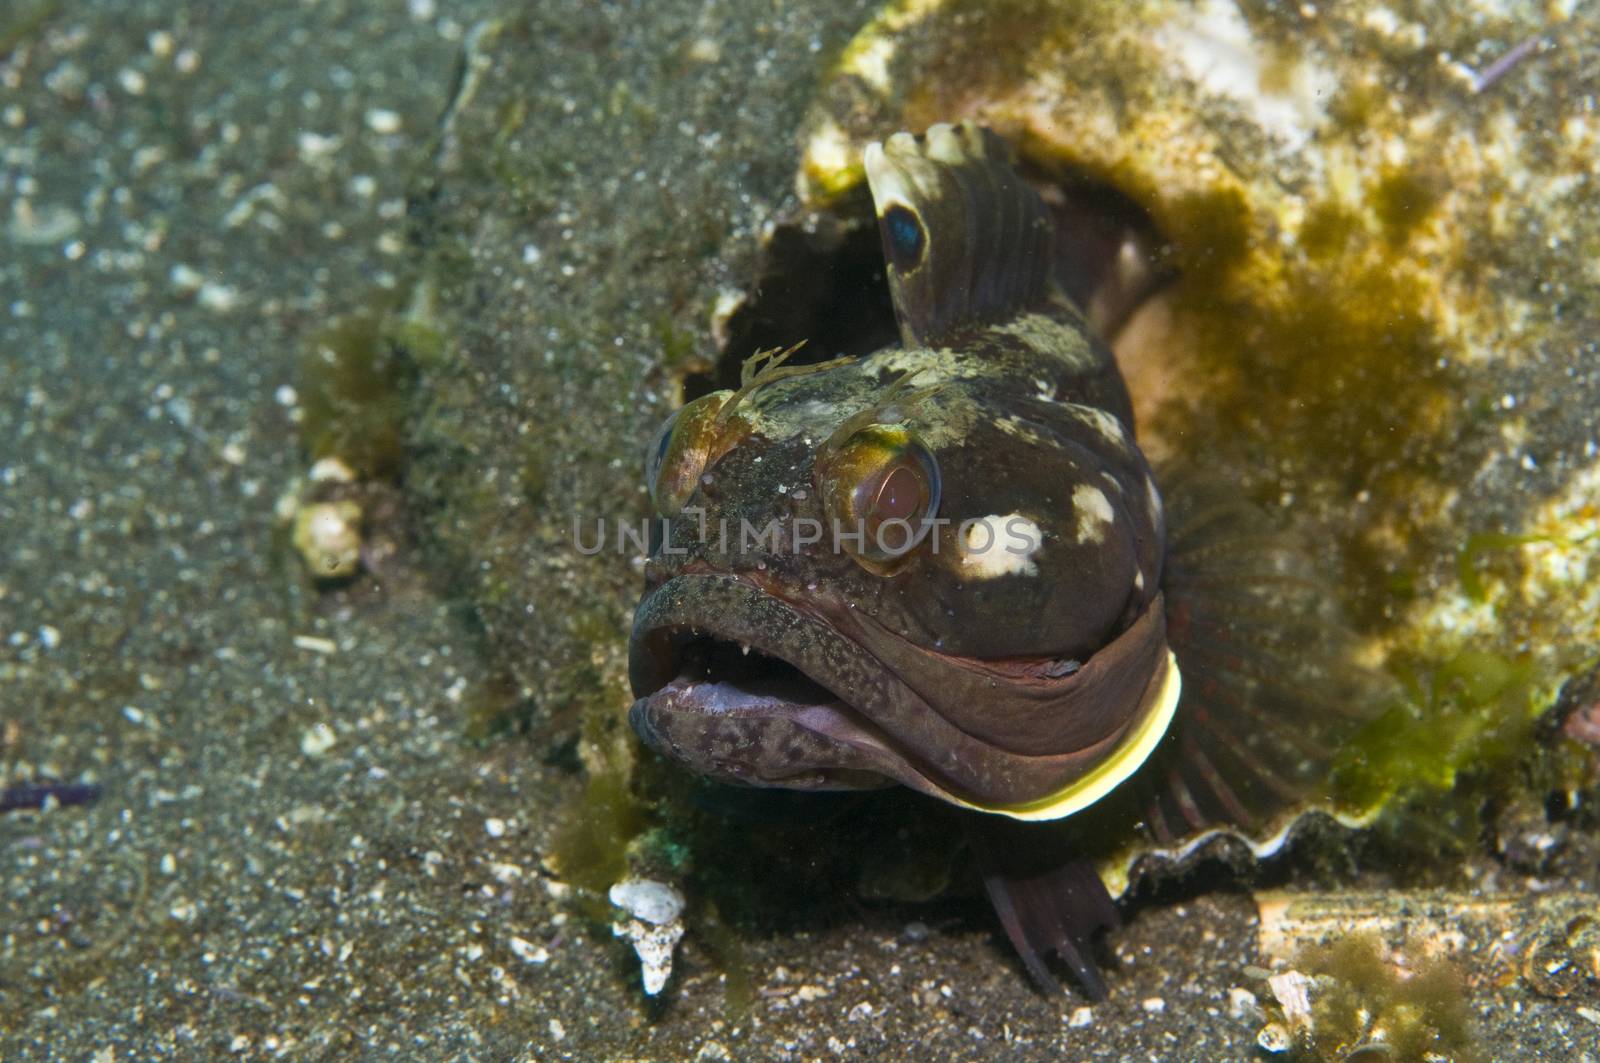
(736, 708)
(738, 677)
(743, 686)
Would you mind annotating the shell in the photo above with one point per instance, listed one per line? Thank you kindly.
(1385, 314)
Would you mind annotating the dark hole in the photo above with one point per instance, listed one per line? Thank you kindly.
(826, 287)
(1093, 222)
(825, 284)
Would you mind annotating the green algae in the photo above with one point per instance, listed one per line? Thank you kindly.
(1356, 106)
(1402, 199)
(494, 706)
(1329, 229)
(354, 384)
(590, 846)
(415, 328)
(961, 38)
(1489, 544)
(1334, 388)
(1476, 710)
(602, 831)
(1363, 1007)
(727, 953)
(1211, 233)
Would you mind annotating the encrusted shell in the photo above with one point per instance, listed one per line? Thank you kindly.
(1384, 323)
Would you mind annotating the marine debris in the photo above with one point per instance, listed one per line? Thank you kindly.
(654, 927)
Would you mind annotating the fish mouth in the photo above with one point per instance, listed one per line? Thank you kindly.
(744, 685)
(713, 666)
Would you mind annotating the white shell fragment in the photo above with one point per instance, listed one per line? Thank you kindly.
(1293, 991)
(328, 536)
(642, 898)
(655, 928)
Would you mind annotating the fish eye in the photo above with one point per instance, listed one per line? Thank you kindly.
(681, 449)
(882, 483)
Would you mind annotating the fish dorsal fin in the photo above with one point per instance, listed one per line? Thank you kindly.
(965, 239)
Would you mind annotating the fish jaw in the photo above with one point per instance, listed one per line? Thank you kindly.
(744, 685)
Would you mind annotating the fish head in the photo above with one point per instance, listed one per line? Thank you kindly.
(918, 567)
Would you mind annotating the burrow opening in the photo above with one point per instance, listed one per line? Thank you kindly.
(821, 279)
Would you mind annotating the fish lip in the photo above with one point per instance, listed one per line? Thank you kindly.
(679, 716)
(875, 729)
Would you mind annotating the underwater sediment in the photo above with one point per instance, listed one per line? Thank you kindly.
(1379, 322)
(1373, 312)
(254, 811)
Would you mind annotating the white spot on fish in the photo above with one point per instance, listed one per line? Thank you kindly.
(999, 545)
(939, 363)
(1013, 425)
(1094, 513)
(946, 145)
(1108, 426)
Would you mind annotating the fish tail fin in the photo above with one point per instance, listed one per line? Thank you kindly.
(1049, 899)
(1272, 686)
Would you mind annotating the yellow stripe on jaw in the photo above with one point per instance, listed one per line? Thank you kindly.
(1110, 773)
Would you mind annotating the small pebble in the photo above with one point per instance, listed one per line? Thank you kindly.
(132, 81)
(328, 536)
(528, 952)
(1243, 1004)
(331, 470)
(218, 298)
(1274, 1038)
(316, 644)
(317, 739)
(185, 278)
(34, 226)
(383, 121)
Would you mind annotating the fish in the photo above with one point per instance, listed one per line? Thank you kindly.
(945, 565)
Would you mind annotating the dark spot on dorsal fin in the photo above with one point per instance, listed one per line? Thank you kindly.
(966, 239)
(903, 237)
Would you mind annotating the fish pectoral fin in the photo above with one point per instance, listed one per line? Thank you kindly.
(965, 238)
(1048, 898)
